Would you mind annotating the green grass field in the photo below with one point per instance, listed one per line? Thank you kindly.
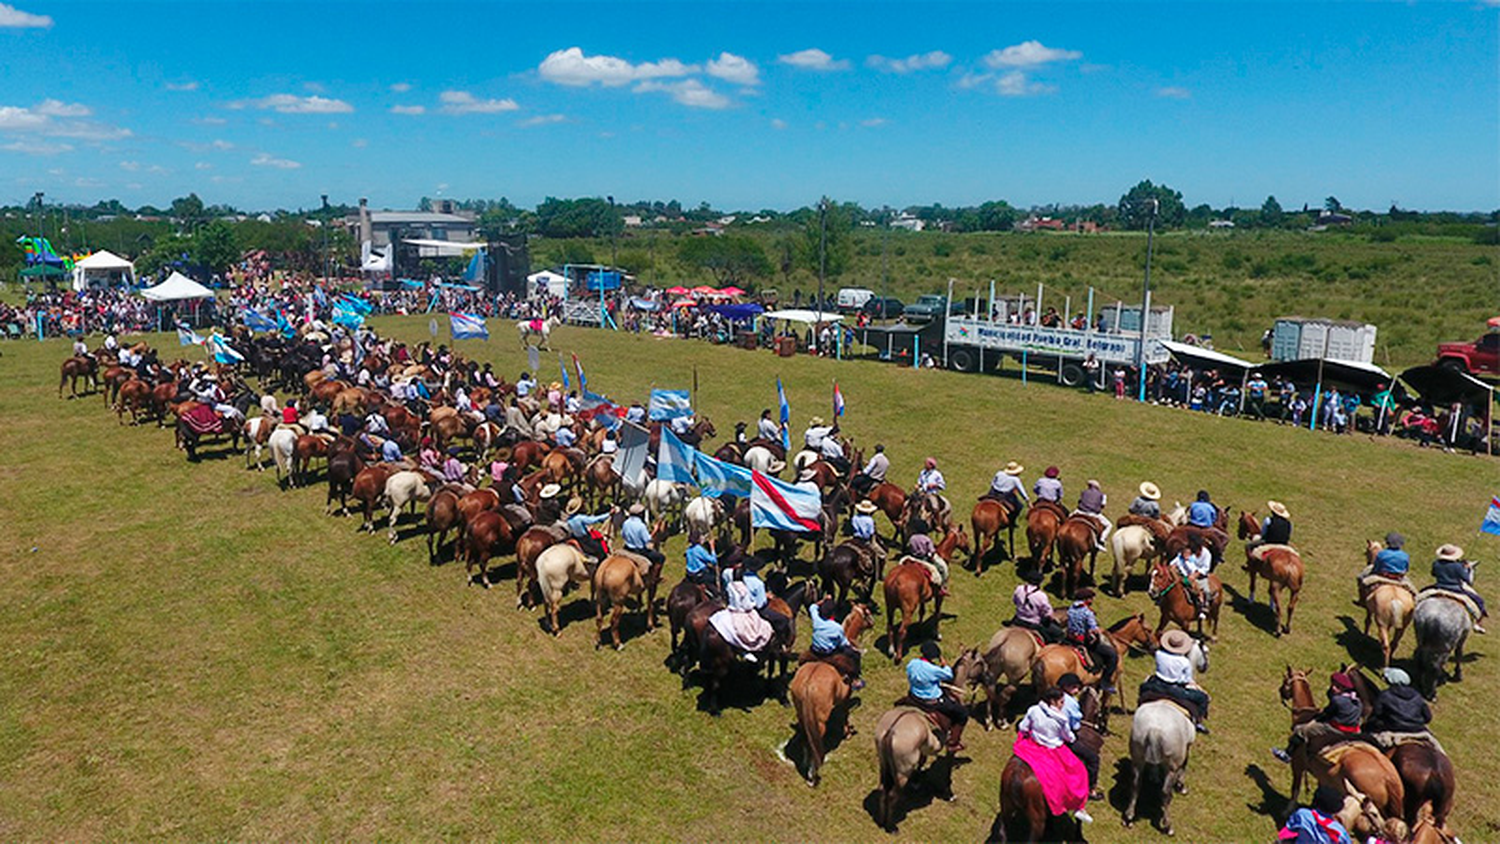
(192, 654)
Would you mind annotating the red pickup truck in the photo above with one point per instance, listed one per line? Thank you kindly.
(1480, 356)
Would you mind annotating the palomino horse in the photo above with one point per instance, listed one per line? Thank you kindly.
(1022, 801)
(1053, 661)
(1077, 538)
(905, 737)
(1169, 591)
(541, 328)
(1360, 766)
(988, 518)
(1390, 605)
(909, 587)
(621, 577)
(1042, 522)
(1130, 544)
(1280, 565)
(819, 691)
(557, 566)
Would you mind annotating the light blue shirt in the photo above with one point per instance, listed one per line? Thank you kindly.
(565, 437)
(754, 586)
(635, 534)
(1392, 561)
(862, 526)
(635, 414)
(1004, 483)
(925, 678)
(827, 634)
(524, 387)
(1073, 711)
(700, 558)
(578, 526)
(1081, 620)
(390, 452)
(1202, 514)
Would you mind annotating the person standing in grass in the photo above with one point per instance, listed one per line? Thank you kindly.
(1255, 396)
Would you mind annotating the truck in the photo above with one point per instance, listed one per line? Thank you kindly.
(1481, 357)
(930, 306)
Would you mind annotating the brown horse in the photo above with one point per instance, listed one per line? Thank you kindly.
(988, 518)
(819, 691)
(442, 516)
(307, 448)
(621, 577)
(114, 377)
(529, 546)
(75, 368)
(1053, 661)
(1169, 592)
(1426, 771)
(528, 453)
(1077, 538)
(368, 488)
(909, 587)
(1042, 522)
(1390, 605)
(1280, 565)
(563, 466)
(344, 465)
(135, 396)
(487, 534)
(603, 483)
(1360, 766)
(1022, 801)
(890, 499)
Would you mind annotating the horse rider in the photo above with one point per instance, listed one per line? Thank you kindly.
(564, 436)
(1204, 515)
(930, 486)
(1174, 678)
(1453, 573)
(925, 676)
(702, 563)
(1034, 608)
(1318, 824)
(317, 424)
(831, 451)
(862, 527)
(767, 428)
(1194, 564)
(1072, 686)
(635, 535)
(581, 528)
(1007, 489)
(455, 472)
(81, 349)
(635, 414)
(548, 507)
(682, 426)
(828, 640)
(1391, 564)
(610, 445)
(1338, 722)
(748, 572)
(1399, 713)
(873, 473)
(1047, 728)
(1146, 505)
(524, 385)
(290, 418)
(812, 438)
(1049, 488)
(1091, 503)
(1084, 633)
(920, 550)
(1275, 529)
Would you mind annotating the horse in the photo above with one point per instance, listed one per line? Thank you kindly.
(761, 459)
(304, 450)
(541, 328)
(529, 547)
(1128, 545)
(988, 518)
(1443, 625)
(283, 445)
(909, 587)
(1168, 591)
(404, 488)
(1360, 766)
(1390, 605)
(1281, 566)
(367, 489)
(848, 562)
(702, 515)
(135, 396)
(442, 516)
(557, 566)
(905, 737)
(1042, 522)
(599, 475)
(488, 532)
(664, 498)
(1428, 780)
(114, 378)
(78, 367)
(1008, 659)
(257, 432)
(1161, 737)
(819, 690)
(344, 465)
(1077, 538)
(1053, 661)
(621, 577)
(1022, 800)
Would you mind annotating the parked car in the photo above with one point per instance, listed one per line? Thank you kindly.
(1480, 356)
(883, 308)
(929, 306)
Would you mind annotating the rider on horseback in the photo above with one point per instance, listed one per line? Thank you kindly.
(1399, 713)
(1338, 722)
(766, 428)
(581, 529)
(1391, 563)
(925, 676)
(1006, 488)
(1203, 514)
(828, 640)
(1091, 503)
(1072, 686)
(930, 486)
(862, 527)
(1034, 609)
(919, 549)
(1042, 739)
(748, 573)
(1049, 488)
(635, 535)
(702, 562)
(1174, 677)
(1275, 529)
(1084, 634)
(1145, 505)
(873, 472)
(1318, 824)
(1194, 563)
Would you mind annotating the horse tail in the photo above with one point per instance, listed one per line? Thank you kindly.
(808, 718)
(885, 750)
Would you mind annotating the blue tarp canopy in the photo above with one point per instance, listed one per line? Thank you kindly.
(644, 304)
(738, 313)
(448, 286)
(602, 280)
(412, 283)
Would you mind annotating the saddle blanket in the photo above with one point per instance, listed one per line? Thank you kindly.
(1373, 580)
(1260, 551)
(202, 420)
(1388, 740)
(535, 325)
(1434, 592)
(1334, 753)
(746, 631)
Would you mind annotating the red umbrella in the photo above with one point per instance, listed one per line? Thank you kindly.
(678, 291)
(1494, 322)
(684, 303)
(704, 289)
(732, 291)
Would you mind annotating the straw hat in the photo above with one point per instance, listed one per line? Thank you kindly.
(1176, 642)
(1013, 468)
(777, 466)
(550, 491)
(1150, 490)
(806, 474)
(1279, 509)
(636, 509)
(866, 507)
(1449, 551)
(575, 504)
(815, 422)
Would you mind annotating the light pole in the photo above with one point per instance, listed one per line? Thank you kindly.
(822, 250)
(1140, 355)
(885, 266)
(614, 247)
(325, 238)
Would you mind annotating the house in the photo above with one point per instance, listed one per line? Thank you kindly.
(1221, 224)
(1087, 227)
(909, 222)
(1334, 218)
(632, 221)
(1036, 224)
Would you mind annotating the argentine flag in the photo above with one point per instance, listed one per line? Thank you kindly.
(716, 478)
(188, 337)
(222, 351)
(786, 416)
(674, 459)
(670, 404)
(257, 321)
(467, 326)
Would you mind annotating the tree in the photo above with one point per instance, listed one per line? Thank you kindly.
(1135, 206)
(188, 209)
(1271, 214)
(840, 245)
(731, 259)
(590, 217)
(1332, 204)
(214, 247)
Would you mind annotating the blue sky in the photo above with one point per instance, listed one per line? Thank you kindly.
(749, 105)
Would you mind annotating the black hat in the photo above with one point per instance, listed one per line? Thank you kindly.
(752, 563)
(1069, 681)
(1328, 800)
(1202, 495)
(1033, 576)
(1084, 594)
(930, 650)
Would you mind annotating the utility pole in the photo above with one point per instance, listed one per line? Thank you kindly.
(614, 248)
(324, 227)
(885, 266)
(822, 250)
(1140, 358)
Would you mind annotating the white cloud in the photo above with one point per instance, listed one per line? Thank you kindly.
(87, 182)
(13, 18)
(401, 87)
(732, 68)
(58, 108)
(31, 147)
(130, 166)
(293, 104)
(221, 145)
(572, 67)
(408, 109)
(974, 80)
(1016, 84)
(315, 87)
(1029, 54)
(542, 120)
(359, 143)
(189, 85)
(873, 122)
(778, 123)
(18, 119)
(265, 160)
(463, 102)
(813, 59)
(203, 165)
(1173, 92)
(44, 119)
(210, 121)
(919, 61)
(688, 92)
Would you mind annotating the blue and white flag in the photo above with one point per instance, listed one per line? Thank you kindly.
(287, 329)
(779, 505)
(583, 386)
(1491, 523)
(674, 459)
(670, 404)
(257, 321)
(567, 382)
(347, 317)
(717, 478)
(630, 462)
(221, 350)
(188, 337)
(356, 304)
(467, 326)
(320, 297)
(786, 417)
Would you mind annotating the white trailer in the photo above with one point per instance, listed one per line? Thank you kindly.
(1302, 338)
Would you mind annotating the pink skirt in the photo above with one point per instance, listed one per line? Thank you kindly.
(1065, 782)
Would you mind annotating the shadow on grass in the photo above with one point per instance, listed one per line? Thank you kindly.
(932, 782)
(1148, 803)
(916, 633)
(1362, 649)
(1273, 804)
(796, 749)
(1259, 615)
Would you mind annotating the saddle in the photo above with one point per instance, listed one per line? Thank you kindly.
(939, 722)
(840, 662)
(1061, 511)
(1332, 754)
(1374, 579)
(1150, 696)
(1433, 592)
(1260, 551)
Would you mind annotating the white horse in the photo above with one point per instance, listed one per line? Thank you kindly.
(760, 459)
(664, 497)
(554, 568)
(1178, 515)
(1161, 736)
(404, 489)
(702, 515)
(1131, 544)
(283, 443)
(537, 328)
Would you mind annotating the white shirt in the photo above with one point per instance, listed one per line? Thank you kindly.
(814, 436)
(1190, 565)
(1173, 668)
(1048, 726)
(315, 421)
(877, 467)
(609, 447)
(931, 480)
(769, 430)
(831, 447)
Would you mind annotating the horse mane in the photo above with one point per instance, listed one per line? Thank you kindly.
(1120, 625)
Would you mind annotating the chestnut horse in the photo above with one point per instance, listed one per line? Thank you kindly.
(988, 518)
(891, 500)
(442, 516)
(1361, 766)
(1077, 538)
(1169, 592)
(529, 546)
(1391, 606)
(486, 534)
(1053, 661)
(1022, 800)
(623, 576)
(909, 587)
(75, 368)
(819, 691)
(1280, 565)
(1042, 522)
(1426, 771)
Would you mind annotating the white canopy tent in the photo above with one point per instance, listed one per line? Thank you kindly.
(799, 315)
(442, 248)
(177, 288)
(557, 283)
(102, 268)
